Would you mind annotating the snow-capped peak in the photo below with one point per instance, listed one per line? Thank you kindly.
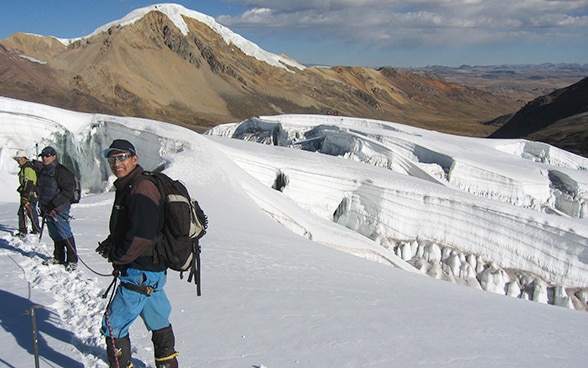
(176, 12)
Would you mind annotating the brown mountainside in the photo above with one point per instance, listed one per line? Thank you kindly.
(150, 69)
(559, 118)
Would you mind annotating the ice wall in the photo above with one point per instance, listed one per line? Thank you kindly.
(455, 208)
(79, 138)
(518, 172)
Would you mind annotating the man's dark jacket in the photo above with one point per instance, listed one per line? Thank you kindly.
(135, 221)
(56, 185)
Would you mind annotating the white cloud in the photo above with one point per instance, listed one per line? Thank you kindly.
(453, 22)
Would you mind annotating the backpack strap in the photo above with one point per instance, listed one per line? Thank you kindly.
(151, 251)
(195, 268)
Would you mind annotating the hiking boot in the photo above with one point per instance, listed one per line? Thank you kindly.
(21, 235)
(167, 362)
(118, 352)
(52, 261)
(71, 266)
(163, 345)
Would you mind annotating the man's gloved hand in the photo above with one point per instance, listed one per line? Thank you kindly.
(104, 247)
(119, 269)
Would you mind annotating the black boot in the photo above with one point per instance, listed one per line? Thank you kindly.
(122, 358)
(72, 257)
(71, 251)
(167, 362)
(163, 344)
(59, 252)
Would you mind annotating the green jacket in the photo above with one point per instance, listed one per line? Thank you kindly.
(27, 178)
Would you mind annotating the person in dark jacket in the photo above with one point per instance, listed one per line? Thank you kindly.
(135, 221)
(56, 185)
(27, 180)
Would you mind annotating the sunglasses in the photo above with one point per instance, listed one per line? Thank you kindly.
(120, 158)
(47, 155)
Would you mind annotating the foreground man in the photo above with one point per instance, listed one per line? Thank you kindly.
(135, 221)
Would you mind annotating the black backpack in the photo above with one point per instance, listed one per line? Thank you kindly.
(184, 224)
(37, 166)
(77, 193)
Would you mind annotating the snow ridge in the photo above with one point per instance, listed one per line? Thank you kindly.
(176, 12)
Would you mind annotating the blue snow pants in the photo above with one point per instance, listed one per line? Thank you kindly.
(127, 304)
(58, 226)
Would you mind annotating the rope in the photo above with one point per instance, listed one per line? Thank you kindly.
(32, 213)
(106, 314)
(110, 331)
(70, 246)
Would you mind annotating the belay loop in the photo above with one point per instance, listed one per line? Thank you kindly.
(112, 283)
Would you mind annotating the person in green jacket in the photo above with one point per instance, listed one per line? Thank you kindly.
(27, 179)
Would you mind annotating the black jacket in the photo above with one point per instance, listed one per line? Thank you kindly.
(56, 185)
(135, 221)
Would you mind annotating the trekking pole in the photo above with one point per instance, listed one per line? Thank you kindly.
(31, 311)
(42, 227)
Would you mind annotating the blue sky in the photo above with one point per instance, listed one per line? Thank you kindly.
(355, 32)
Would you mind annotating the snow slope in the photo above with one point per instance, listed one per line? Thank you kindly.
(287, 293)
(176, 14)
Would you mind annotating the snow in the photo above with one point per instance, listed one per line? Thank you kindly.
(345, 264)
(463, 194)
(176, 14)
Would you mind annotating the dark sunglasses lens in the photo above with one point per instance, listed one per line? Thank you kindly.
(119, 158)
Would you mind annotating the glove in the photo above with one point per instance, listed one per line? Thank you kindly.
(104, 247)
(119, 269)
(53, 212)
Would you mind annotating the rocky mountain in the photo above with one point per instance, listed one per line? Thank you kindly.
(173, 64)
(559, 118)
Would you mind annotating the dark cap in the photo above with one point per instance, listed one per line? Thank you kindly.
(48, 151)
(119, 145)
